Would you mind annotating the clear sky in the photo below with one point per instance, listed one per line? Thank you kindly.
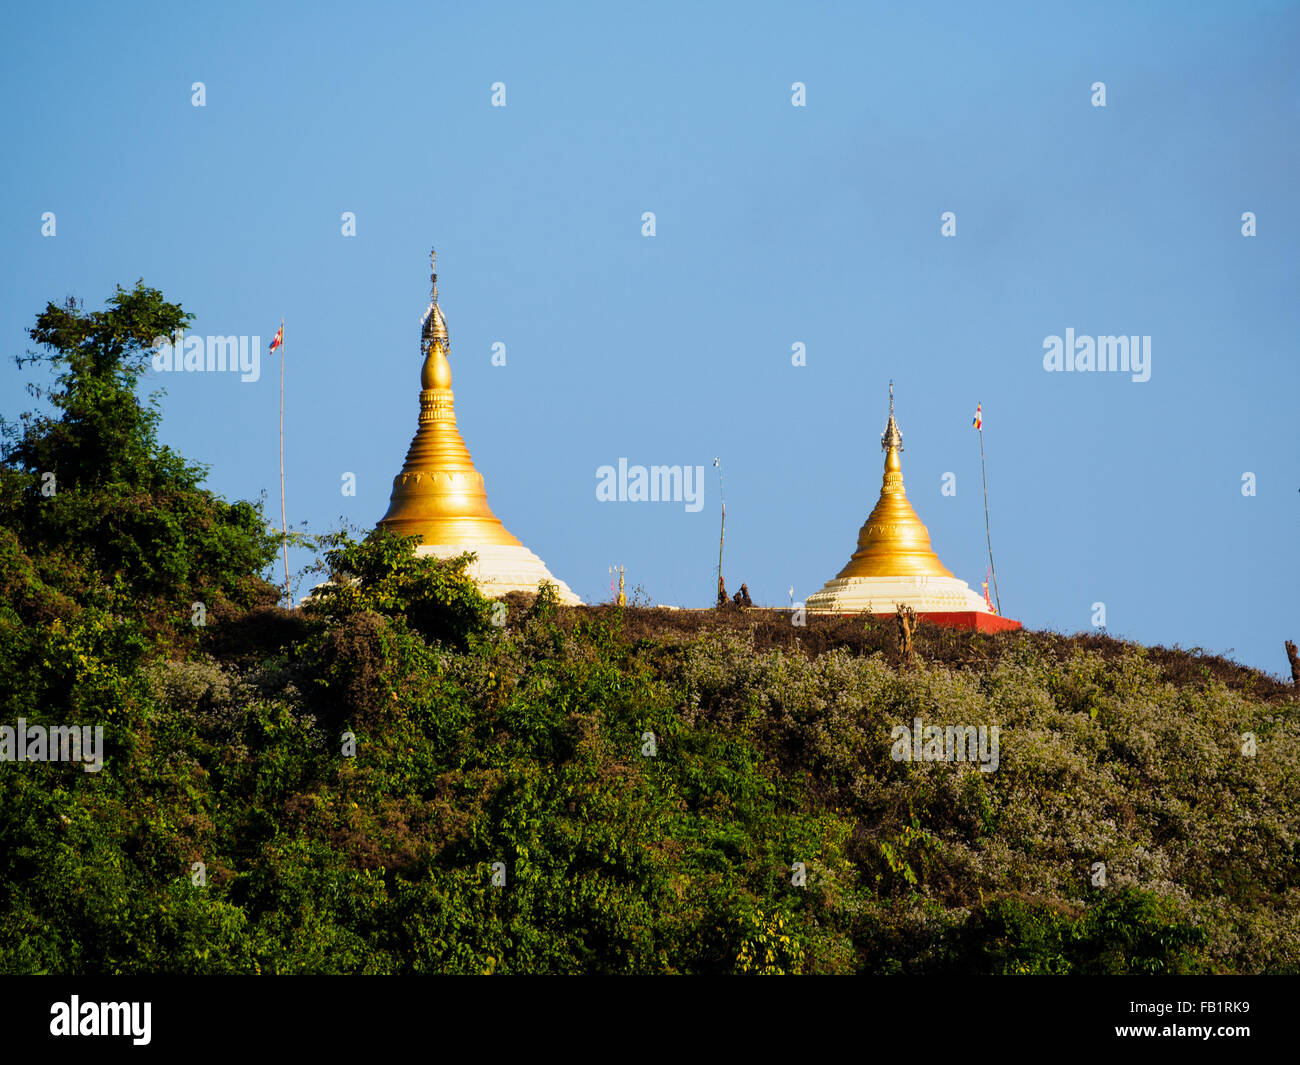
(774, 225)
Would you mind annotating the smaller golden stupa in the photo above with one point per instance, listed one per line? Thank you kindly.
(894, 564)
(440, 496)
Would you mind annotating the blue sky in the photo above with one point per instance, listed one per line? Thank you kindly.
(775, 225)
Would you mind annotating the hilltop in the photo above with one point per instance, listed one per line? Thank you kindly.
(400, 777)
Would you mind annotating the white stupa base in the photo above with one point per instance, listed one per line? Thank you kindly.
(502, 568)
(883, 595)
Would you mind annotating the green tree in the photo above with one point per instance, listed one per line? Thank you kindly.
(383, 574)
(113, 516)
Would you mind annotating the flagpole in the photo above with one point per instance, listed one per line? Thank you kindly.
(988, 535)
(284, 521)
(722, 532)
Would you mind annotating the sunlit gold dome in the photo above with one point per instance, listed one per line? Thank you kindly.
(440, 497)
(894, 542)
(894, 565)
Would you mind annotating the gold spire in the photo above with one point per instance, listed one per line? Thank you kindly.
(433, 326)
(893, 542)
(439, 495)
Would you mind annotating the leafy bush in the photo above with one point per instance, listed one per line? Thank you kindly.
(382, 574)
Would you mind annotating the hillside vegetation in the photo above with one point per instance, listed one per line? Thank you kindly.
(396, 778)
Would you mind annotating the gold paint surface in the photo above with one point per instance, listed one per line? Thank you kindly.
(894, 542)
(439, 495)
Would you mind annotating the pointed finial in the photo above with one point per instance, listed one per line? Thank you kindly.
(891, 437)
(433, 326)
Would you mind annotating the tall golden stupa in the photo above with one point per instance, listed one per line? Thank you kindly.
(439, 495)
(895, 565)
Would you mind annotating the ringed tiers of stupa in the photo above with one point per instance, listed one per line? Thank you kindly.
(895, 565)
(440, 497)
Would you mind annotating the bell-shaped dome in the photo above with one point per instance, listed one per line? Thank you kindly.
(894, 566)
(894, 542)
(440, 497)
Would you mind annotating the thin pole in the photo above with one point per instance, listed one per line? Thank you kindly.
(284, 521)
(722, 533)
(988, 535)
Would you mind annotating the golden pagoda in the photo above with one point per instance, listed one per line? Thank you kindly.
(895, 565)
(440, 496)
